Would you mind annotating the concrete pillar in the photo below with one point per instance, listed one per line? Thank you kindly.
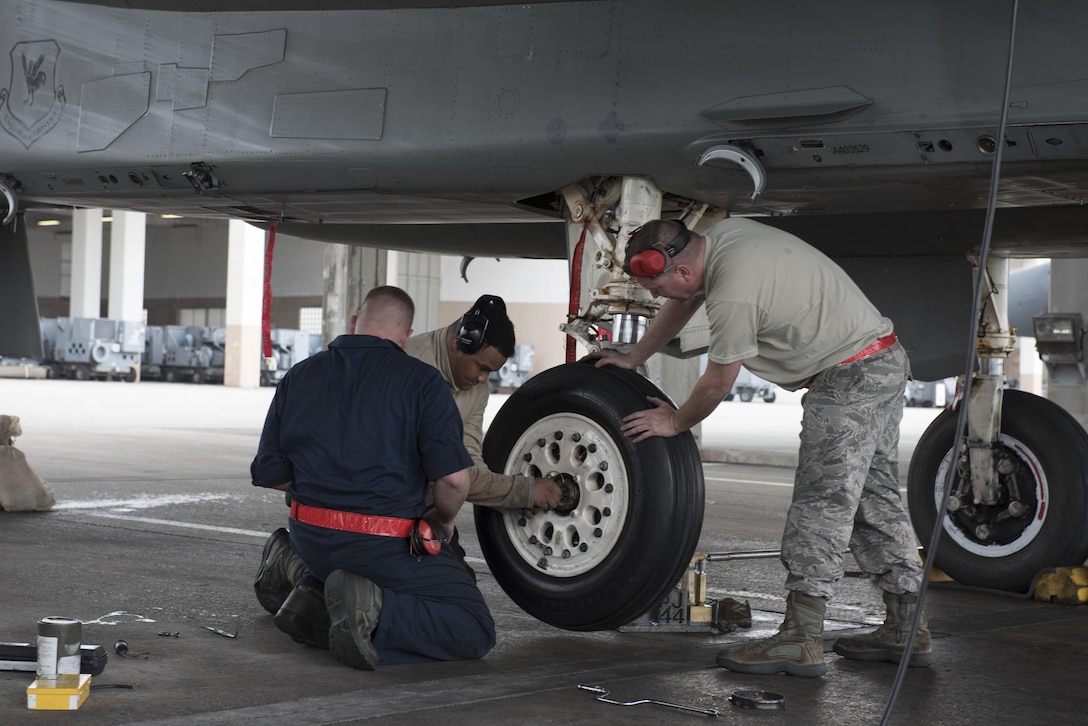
(127, 238)
(350, 272)
(86, 273)
(419, 275)
(1068, 294)
(245, 290)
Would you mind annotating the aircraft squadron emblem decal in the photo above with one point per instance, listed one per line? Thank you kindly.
(32, 103)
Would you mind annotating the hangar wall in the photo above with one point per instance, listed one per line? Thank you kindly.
(535, 292)
(186, 269)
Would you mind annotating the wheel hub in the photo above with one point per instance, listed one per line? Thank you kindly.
(568, 502)
(1008, 525)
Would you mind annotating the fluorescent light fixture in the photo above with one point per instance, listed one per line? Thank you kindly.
(1057, 327)
(48, 222)
(1059, 338)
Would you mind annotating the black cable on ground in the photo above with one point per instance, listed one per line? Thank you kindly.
(969, 367)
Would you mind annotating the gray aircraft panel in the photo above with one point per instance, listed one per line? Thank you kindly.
(484, 106)
(454, 128)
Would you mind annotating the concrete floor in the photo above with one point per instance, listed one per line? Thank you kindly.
(157, 534)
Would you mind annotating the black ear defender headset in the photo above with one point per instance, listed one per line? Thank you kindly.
(473, 325)
(423, 539)
(655, 260)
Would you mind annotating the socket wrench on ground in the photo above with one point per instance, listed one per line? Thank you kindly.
(603, 698)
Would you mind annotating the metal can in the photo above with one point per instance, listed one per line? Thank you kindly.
(59, 641)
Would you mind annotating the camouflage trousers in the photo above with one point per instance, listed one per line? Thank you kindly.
(846, 490)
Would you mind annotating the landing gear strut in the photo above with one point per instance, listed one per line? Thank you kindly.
(1019, 489)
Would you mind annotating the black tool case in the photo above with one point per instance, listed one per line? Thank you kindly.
(24, 657)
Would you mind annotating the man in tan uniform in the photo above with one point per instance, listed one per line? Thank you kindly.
(465, 352)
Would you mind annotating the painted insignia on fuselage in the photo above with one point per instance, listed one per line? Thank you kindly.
(33, 103)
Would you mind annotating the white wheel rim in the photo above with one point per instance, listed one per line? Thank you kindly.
(569, 545)
(1027, 534)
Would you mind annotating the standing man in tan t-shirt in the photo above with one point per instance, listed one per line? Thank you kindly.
(792, 316)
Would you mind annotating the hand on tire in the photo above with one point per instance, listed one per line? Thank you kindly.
(656, 421)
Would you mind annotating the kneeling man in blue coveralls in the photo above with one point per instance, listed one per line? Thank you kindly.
(355, 433)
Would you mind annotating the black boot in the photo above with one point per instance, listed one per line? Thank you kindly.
(304, 617)
(280, 569)
(354, 604)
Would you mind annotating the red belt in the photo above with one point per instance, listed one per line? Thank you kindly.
(873, 348)
(350, 521)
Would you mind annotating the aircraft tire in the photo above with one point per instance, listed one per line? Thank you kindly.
(1051, 450)
(615, 548)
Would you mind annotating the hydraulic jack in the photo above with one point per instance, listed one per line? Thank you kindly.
(688, 609)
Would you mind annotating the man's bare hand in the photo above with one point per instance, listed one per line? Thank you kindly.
(656, 421)
(611, 358)
(546, 495)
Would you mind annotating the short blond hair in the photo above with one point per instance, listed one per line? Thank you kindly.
(386, 308)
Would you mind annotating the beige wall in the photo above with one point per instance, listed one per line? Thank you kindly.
(535, 292)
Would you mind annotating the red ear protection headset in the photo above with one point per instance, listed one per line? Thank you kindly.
(423, 539)
(652, 262)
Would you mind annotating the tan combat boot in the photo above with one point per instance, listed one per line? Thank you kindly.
(888, 642)
(796, 649)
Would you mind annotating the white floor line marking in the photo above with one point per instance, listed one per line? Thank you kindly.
(144, 501)
(748, 481)
(730, 480)
(210, 528)
(751, 595)
(175, 523)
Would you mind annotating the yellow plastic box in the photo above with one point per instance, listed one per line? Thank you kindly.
(64, 693)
